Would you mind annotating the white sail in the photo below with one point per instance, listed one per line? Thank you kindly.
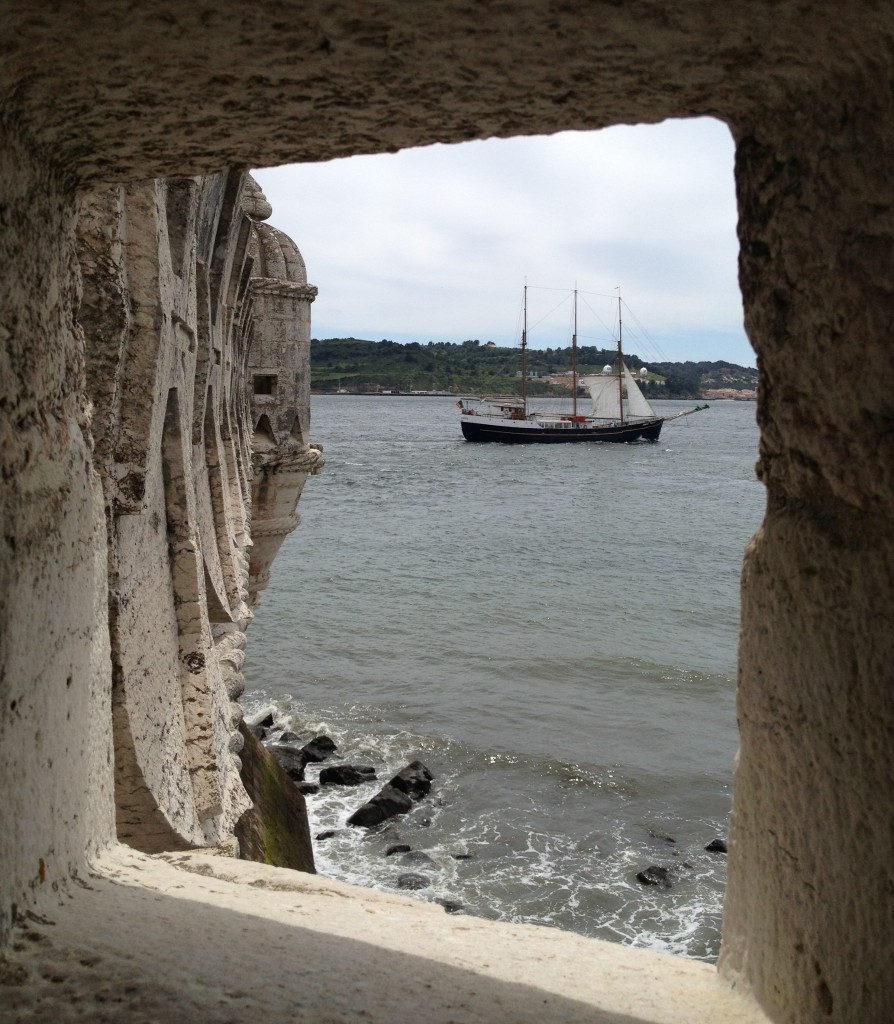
(637, 405)
(603, 390)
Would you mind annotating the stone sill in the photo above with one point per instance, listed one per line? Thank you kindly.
(197, 938)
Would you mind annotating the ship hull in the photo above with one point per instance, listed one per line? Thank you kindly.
(505, 431)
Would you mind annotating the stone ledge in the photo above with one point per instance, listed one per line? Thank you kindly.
(193, 937)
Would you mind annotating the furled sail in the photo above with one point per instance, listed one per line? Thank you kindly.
(637, 404)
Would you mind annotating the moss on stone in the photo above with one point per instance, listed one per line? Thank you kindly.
(275, 830)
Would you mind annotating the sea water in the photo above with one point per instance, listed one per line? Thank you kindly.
(552, 630)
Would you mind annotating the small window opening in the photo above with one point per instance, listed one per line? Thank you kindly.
(265, 383)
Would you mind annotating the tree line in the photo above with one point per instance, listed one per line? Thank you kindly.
(355, 364)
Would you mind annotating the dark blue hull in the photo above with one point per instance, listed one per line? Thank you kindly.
(507, 432)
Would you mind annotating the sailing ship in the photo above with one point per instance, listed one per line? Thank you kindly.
(620, 412)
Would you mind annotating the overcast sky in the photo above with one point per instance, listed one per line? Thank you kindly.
(437, 243)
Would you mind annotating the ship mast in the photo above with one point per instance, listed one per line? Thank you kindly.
(524, 353)
(574, 359)
(620, 362)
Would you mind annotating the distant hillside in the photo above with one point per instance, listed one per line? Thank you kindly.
(360, 366)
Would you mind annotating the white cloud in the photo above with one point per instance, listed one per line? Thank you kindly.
(436, 243)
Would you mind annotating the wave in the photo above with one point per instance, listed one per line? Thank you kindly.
(518, 838)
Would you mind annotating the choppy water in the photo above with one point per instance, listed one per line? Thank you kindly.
(552, 630)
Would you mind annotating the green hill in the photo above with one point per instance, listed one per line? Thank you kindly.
(470, 367)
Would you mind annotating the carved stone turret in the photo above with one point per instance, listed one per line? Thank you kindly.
(279, 381)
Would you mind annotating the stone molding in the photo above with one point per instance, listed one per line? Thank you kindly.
(284, 289)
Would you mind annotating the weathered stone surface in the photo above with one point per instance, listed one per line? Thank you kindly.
(165, 315)
(275, 829)
(136, 950)
(56, 807)
(279, 385)
(291, 759)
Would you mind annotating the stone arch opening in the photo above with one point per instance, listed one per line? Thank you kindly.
(741, 540)
(264, 436)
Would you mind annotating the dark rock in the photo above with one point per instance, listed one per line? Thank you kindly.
(414, 780)
(716, 846)
(397, 848)
(275, 830)
(326, 834)
(259, 731)
(290, 759)
(451, 906)
(289, 737)
(463, 856)
(654, 875)
(346, 775)
(319, 748)
(664, 839)
(307, 788)
(410, 880)
(419, 857)
(396, 797)
(385, 804)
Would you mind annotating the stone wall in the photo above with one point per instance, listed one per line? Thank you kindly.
(104, 100)
(137, 464)
(57, 804)
(154, 362)
(172, 274)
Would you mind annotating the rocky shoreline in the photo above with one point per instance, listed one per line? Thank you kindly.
(406, 789)
(398, 796)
